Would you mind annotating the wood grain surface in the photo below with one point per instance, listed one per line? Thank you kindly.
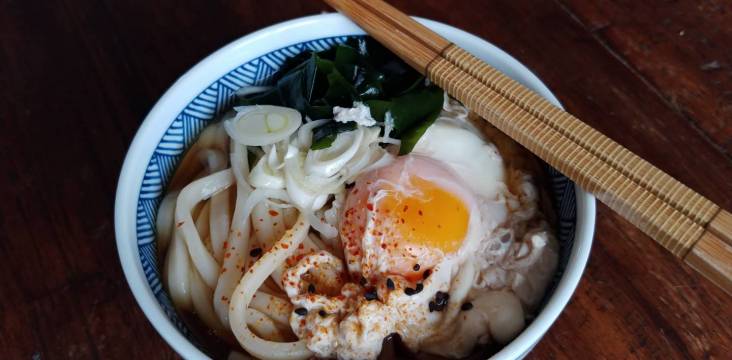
(77, 78)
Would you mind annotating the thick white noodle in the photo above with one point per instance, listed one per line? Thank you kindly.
(191, 195)
(267, 231)
(201, 295)
(252, 280)
(203, 225)
(268, 228)
(262, 224)
(219, 215)
(276, 308)
(237, 245)
(264, 326)
(164, 224)
(177, 266)
(220, 222)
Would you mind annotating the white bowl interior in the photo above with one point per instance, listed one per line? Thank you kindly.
(200, 94)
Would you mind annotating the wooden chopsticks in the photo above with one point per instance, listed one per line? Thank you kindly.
(684, 222)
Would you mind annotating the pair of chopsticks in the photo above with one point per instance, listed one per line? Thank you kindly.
(684, 222)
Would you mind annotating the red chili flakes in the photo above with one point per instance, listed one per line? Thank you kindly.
(227, 255)
(406, 207)
(419, 212)
(383, 245)
(285, 246)
(226, 244)
(370, 206)
(223, 270)
(273, 213)
(301, 246)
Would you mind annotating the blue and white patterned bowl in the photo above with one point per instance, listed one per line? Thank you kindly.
(207, 89)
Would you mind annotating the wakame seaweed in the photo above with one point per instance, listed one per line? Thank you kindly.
(359, 70)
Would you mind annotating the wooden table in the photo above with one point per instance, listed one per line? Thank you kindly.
(78, 77)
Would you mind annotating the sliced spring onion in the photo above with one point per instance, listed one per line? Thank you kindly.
(259, 125)
(327, 162)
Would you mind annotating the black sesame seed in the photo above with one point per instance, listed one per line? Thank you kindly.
(426, 274)
(311, 288)
(370, 294)
(301, 311)
(322, 313)
(441, 298)
(390, 284)
(416, 267)
(419, 287)
(466, 306)
(255, 252)
(363, 281)
(410, 291)
(432, 306)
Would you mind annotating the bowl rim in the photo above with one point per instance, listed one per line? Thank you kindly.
(179, 94)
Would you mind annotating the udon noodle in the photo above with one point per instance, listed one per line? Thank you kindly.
(254, 242)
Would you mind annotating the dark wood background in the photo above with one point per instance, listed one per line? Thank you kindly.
(77, 78)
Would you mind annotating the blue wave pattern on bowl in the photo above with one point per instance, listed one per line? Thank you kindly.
(216, 99)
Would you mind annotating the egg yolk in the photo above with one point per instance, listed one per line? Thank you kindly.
(404, 219)
(428, 216)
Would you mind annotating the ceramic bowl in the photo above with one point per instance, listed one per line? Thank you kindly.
(206, 90)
